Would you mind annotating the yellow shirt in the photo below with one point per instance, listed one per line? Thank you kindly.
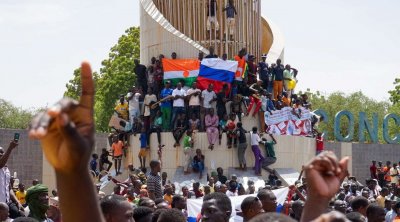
(122, 109)
(381, 201)
(168, 198)
(21, 196)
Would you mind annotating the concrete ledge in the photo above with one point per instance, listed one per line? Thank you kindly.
(292, 152)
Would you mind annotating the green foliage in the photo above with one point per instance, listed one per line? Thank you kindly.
(74, 85)
(116, 76)
(12, 117)
(355, 103)
(395, 94)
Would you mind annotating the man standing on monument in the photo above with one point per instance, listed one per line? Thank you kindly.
(263, 71)
(133, 104)
(241, 135)
(178, 106)
(240, 58)
(230, 18)
(278, 78)
(211, 16)
(141, 77)
(193, 95)
(122, 108)
(212, 53)
(166, 105)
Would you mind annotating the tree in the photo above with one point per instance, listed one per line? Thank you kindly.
(12, 117)
(74, 85)
(355, 102)
(116, 76)
(395, 94)
(395, 99)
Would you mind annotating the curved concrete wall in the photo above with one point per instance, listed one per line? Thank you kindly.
(276, 48)
(158, 36)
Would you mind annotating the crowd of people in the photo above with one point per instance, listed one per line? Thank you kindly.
(154, 105)
(153, 197)
(260, 85)
(326, 192)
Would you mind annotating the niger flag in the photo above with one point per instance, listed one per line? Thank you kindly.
(176, 70)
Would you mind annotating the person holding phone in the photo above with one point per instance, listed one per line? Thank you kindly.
(6, 193)
(5, 172)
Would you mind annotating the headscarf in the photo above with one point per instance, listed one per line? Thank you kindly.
(37, 209)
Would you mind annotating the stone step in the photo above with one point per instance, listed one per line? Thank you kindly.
(288, 176)
(244, 176)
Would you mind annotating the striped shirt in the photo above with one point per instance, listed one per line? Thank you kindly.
(154, 185)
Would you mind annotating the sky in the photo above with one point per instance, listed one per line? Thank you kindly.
(336, 45)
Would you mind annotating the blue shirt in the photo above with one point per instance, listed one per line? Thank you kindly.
(230, 11)
(222, 123)
(270, 105)
(234, 91)
(263, 71)
(278, 73)
(143, 140)
(164, 93)
(93, 165)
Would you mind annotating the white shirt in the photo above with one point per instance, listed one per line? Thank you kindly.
(255, 138)
(134, 101)
(394, 179)
(231, 194)
(147, 100)
(390, 215)
(5, 184)
(207, 97)
(194, 100)
(178, 102)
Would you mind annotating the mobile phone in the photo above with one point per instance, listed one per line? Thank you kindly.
(16, 137)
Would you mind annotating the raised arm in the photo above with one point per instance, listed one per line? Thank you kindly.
(4, 158)
(66, 133)
(324, 175)
(253, 89)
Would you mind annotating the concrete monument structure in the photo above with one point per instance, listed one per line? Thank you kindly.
(180, 26)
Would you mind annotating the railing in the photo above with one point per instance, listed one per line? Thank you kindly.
(190, 18)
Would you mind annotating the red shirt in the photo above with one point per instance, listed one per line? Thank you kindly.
(198, 193)
(320, 143)
(373, 169)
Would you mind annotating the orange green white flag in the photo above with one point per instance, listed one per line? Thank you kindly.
(176, 70)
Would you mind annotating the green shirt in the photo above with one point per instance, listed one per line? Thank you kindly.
(269, 148)
(187, 142)
(287, 74)
(158, 121)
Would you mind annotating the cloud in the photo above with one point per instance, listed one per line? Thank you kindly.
(32, 13)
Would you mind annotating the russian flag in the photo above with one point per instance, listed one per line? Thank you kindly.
(217, 72)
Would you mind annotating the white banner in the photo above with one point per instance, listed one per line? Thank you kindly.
(289, 121)
(194, 205)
